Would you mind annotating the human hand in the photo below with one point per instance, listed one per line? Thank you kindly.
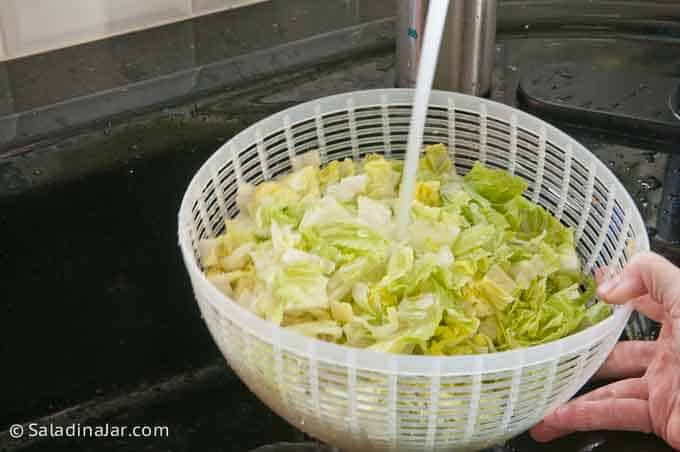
(648, 397)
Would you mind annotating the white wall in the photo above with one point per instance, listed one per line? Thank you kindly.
(33, 26)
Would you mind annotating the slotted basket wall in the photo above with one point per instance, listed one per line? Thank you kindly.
(360, 400)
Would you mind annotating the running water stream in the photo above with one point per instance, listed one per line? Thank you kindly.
(434, 28)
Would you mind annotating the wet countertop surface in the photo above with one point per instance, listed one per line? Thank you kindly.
(107, 303)
(97, 319)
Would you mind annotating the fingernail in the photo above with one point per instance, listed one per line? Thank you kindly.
(608, 285)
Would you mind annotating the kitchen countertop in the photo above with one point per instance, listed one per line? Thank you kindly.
(211, 410)
(98, 322)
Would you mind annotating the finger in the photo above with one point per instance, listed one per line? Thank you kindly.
(646, 274)
(610, 414)
(629, 359)
(649, 307)
(634, 388)
(627, 389)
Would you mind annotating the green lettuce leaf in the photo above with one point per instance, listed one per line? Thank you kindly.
(348, 188)
(418, 321)
(474, 237)
(274, 202)
(383, 179)
(435, 164)
(497, 186)
(481, 269)
(301, 286)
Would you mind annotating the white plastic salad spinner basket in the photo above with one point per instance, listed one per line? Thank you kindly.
(360, 400)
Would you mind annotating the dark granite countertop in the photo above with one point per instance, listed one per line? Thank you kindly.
(97, 318)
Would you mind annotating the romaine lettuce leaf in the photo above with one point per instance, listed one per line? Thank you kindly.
(348, 188)
(335, 171)
(476, 236)
(418, 321)
(435, 164)
(383, 179)
(428, 193)
(482, 268)
(497, 186)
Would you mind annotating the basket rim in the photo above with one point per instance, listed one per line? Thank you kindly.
(344, 355)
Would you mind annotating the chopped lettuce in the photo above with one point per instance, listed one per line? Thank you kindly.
(482, 269)
(322, 329)
(418, 321)
(436, 164)
(428, 193)
(495, 185)
(335, 171)
(348, 188)
(383, 177)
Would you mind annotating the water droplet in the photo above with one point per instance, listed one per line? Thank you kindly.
(611, 163)
(134, 147)
(37, 172)
(649, 183)
(642, 201)
(131, 171)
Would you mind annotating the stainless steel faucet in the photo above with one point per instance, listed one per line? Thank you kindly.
(466, 57)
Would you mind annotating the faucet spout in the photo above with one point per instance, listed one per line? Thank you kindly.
(467, 52)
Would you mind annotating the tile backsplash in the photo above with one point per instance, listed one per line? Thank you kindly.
(34, 26)
(67, 63)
